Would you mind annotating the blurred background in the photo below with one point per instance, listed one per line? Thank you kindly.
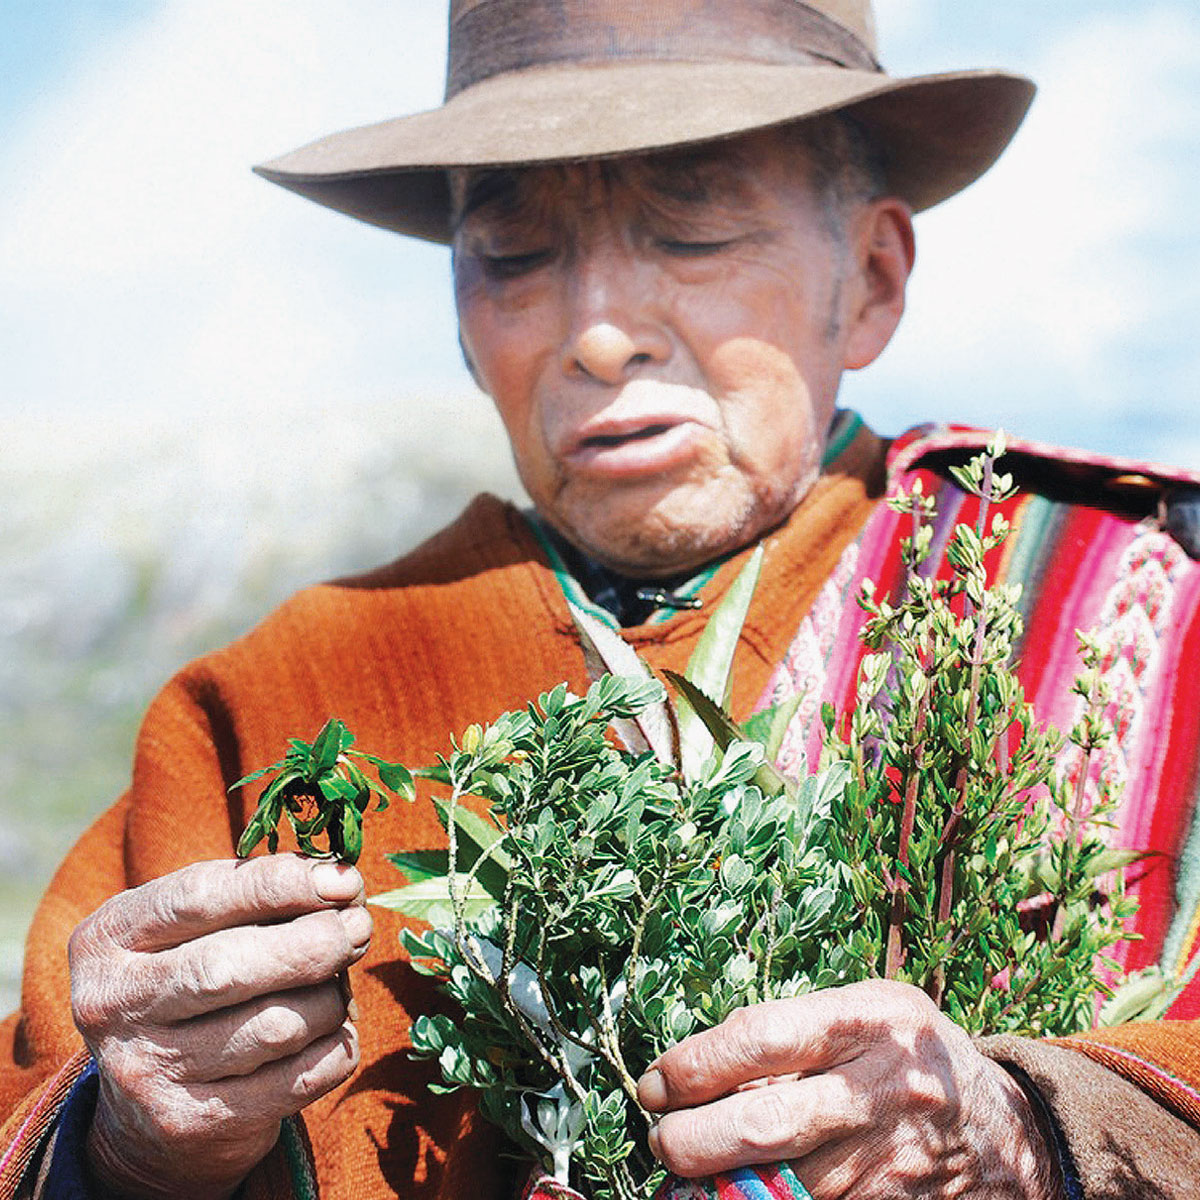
(212, 392)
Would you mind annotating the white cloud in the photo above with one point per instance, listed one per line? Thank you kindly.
(142, 259)
(900, 20)
(1057, 295)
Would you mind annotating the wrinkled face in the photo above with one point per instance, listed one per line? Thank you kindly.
(663, 338)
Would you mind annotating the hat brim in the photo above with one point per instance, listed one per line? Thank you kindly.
(938, 133)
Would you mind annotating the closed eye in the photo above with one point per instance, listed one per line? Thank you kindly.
(513, 266)
(694, 249)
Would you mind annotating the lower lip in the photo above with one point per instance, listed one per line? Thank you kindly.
(675, 446)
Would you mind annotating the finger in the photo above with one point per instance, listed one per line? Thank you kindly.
(240, 1040)
(209, 896)
(281, 1088)
(233, 966)
(782, 1038)
(767, 1124)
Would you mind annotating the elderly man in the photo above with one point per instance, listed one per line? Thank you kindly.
(674, 227)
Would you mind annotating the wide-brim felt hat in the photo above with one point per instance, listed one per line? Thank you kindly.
(543, 81)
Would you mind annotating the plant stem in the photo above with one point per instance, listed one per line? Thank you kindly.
(912, 785)
(949, 838)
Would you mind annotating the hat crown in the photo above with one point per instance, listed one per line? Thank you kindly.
(498, 37)
(855, 15)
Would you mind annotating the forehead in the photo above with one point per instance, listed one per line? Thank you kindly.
(696, 177)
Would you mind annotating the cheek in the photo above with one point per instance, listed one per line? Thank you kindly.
(504, 351)
(768, 401)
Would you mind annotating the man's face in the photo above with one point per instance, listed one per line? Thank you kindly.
(663, 338)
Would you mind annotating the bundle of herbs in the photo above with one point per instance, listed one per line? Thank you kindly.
(620, 892)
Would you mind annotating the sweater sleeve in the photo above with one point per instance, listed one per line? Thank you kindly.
(177, 785)
(1121, 1141)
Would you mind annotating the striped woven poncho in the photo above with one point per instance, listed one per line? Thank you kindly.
(1090, 552)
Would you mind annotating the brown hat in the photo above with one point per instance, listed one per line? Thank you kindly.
(534, 81)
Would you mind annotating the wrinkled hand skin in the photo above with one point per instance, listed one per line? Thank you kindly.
(212, 1004)
(868, 1090)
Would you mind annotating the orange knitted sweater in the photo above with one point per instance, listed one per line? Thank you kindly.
(470, 624)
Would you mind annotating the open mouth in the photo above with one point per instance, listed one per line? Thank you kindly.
(636, 451)
(606, 441)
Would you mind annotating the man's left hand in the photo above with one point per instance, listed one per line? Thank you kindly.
(868, 1090)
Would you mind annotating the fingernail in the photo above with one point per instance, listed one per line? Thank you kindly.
(357, 923)
(352, 1009)
(652, 1142)
(652, 1089)
(335, 881)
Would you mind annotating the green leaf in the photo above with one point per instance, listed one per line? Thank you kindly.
(604, 650)
(420, 864)
(352, 835)
(781, 718)
(1144, 996)
(334, 787)
(397, 777)
(256, 775)
(255, 831)
(478, 839)
(724, 731)
(333, 738)
(711, 662)
(429, 900)
(438, 773)
(481, 833)
(757, 727)
(274, 790)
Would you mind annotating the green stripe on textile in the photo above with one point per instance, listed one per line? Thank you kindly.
(788, 1176)
(1187, 899)
(1032, 544)
(578, 597)
(569, 584)
(304, 1183)
(689, 589)
(845, 427)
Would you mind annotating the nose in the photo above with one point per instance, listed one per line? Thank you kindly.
(614, 325)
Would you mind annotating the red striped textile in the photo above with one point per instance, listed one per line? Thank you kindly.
(1090, 554)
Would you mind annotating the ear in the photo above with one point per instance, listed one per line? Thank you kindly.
(884, 248)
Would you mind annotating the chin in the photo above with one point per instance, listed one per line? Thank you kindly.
(655, 543)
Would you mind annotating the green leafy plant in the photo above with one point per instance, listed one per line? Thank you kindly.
(602, 910)
(324, 794)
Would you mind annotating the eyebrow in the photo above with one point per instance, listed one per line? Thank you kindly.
(697, 176)
(497, 187)
(691, 178)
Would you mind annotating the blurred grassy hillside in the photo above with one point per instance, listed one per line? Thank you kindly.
(131, 544)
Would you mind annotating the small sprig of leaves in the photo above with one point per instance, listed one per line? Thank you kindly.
(978, 872)
(324, 794)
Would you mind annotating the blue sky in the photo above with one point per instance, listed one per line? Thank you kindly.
(143, 269)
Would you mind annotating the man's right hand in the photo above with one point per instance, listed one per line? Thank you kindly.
(212, 1004)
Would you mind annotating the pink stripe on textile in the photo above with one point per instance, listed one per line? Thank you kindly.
(1148, 756)
(47, 1101)
(877, 539)
(53, 1094)
(1076, 595)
